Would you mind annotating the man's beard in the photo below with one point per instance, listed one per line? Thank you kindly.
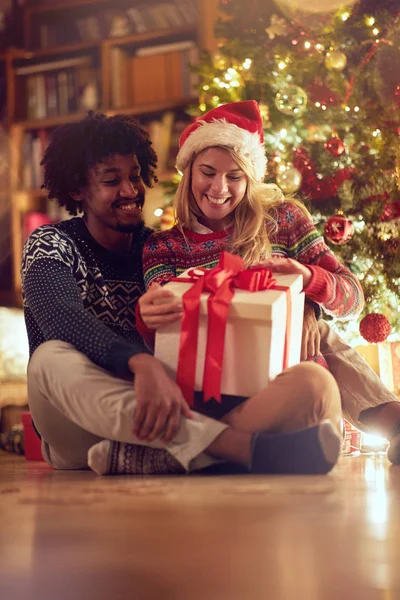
(131, 227)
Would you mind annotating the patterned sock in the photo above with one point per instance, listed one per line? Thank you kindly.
(13, 440)
(117, 458)
(312, 451)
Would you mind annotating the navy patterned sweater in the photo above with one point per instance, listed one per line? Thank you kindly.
(76, 291)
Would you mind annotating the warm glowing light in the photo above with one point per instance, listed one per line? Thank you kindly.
(307, 45)
(356, 108)
(370, 21)
(375, 31)
(216, 79)
(318, 104)
(283, 132)
(206, 87)
(281, 65)
(345, 16)
(158, 212)
(347, 108)
(203, 107)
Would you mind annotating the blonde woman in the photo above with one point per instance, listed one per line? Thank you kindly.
(223, 204)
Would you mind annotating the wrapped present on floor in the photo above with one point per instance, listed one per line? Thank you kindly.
(240, 328)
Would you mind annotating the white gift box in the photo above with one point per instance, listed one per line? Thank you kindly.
(254, 337)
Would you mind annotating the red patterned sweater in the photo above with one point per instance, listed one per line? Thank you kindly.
(167, 254)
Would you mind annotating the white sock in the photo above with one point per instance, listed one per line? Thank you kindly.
(116, 458)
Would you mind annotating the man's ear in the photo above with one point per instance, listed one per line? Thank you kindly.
(77, 196)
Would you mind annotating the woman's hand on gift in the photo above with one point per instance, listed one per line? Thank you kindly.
(288, 266)
(311, 339)
(159, 400)
(159, 306)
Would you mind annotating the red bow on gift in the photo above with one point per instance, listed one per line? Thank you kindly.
(220, 282)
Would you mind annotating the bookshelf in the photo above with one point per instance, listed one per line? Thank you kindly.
(79, 55)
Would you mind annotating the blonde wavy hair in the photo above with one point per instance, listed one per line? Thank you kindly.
(252, 219)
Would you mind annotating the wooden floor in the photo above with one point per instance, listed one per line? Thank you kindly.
(74, 535)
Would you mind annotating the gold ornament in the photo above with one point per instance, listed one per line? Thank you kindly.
(289, 180)
(335, 60)
(291, 100)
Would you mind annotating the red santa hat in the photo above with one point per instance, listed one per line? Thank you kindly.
(237, 125)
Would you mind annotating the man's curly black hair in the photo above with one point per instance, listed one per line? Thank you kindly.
(76, 147)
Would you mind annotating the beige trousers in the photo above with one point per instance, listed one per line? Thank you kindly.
(360, 387)
(75, 404)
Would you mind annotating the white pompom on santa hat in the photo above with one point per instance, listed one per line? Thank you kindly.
(237, 125)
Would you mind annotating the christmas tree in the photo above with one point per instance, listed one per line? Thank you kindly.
(327, 78)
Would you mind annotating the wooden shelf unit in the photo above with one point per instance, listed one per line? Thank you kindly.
(23, 200)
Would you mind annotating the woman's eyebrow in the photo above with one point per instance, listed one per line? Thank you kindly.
(214, 169)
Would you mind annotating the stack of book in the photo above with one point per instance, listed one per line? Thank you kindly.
(59, 87)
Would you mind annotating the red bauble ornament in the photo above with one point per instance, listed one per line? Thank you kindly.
(338, 229)
(374, 328)
(335, 146)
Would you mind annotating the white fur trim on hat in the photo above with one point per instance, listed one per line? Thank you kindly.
(221, 133)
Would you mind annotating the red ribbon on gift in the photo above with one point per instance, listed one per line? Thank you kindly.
(220, 282)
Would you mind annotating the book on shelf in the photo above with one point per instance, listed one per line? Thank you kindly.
(33, 148)
(119, 77)
(160, 131)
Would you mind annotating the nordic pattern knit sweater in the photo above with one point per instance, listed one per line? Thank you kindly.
(75, 290)
(167, 254)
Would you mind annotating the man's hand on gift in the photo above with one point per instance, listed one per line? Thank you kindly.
(159, 306)
(159, 400)
(288, 266)
(310, 343)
